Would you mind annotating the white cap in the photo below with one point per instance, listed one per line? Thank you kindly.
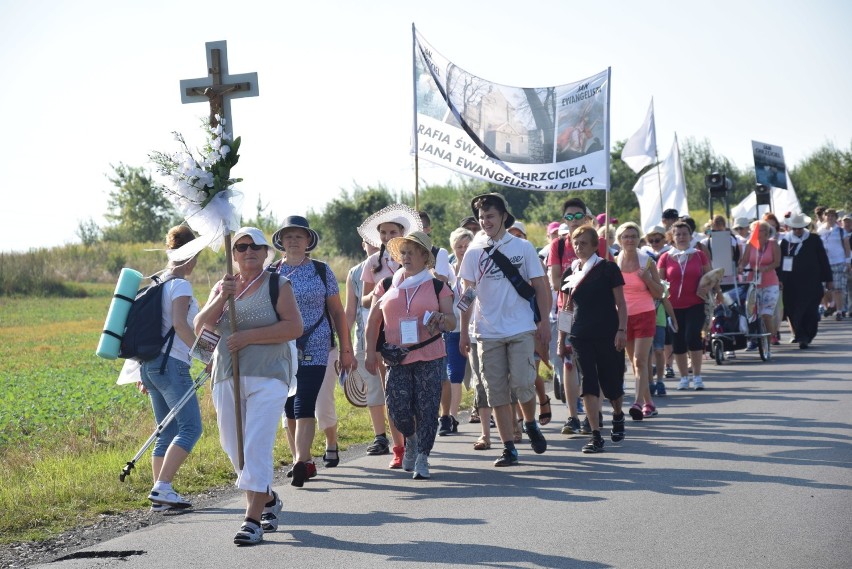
(564, 229)
(520, 227)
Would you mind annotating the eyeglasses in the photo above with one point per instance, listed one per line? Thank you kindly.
(243, 247)
(574, 216)
(655, 241)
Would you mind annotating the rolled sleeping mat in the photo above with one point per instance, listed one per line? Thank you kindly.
(123, 297)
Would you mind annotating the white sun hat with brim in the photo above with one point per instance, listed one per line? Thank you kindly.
(798, 221)
(520, 227)
(417, 237)
(257, 237)
(741, 223)
(398, 213)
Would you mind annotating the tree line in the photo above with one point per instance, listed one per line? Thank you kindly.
(137, 210)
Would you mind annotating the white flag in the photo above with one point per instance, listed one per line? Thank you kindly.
(781, 200)
(641, 148)
(661, 188)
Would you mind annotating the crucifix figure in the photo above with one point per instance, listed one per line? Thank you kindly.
(218, 88)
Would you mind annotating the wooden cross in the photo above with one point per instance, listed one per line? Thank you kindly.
(218, 88)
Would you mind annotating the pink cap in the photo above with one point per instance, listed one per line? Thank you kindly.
(552, 226)
(602, 216)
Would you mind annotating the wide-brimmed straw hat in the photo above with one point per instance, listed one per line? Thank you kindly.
(397, 213)
(415, 237)
(798, 221)
(510, 219)
(299, 222)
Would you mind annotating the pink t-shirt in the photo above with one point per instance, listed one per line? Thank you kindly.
(756, 258)
(636, 294)
(389, 267)
(413, 302)
(683, 279)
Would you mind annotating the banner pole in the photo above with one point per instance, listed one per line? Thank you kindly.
(414, 129)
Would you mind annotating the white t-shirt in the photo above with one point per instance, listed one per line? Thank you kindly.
(173, 289)
(500, 311)
(832, 239)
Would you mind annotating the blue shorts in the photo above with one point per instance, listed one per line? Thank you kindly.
(455, 360)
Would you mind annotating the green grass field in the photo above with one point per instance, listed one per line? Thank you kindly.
(66, 428)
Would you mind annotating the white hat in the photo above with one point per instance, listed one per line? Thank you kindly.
(564, 229)
(520, 227)
(798, 221)
(257, 237)
(397, 213)
(741, 223)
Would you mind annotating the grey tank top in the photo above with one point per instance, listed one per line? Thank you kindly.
(262, 360)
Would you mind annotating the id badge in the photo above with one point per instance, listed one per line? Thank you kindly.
(566, 320)
(787, 264)
(408, 331)
(466, 299)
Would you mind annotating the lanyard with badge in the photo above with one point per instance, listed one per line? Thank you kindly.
(787, 261)
(408, 324)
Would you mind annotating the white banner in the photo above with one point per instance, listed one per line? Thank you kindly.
(544, 138)
(640, 150)
(662, 188)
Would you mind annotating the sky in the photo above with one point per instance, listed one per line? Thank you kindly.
(91, 83)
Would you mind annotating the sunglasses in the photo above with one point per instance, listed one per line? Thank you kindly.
(574, 216)
(655, 241)
(243, 247)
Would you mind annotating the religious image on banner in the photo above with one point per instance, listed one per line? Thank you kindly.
(544, 138)
(769, 167)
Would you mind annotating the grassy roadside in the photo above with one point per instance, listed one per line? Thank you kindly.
(67, 430)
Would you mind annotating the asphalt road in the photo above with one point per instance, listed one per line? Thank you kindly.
(752, 472)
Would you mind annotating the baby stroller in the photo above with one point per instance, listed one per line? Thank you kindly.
(735, 322)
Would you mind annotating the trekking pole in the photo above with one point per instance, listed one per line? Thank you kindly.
(164, 423)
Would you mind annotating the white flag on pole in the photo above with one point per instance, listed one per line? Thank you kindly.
(782, 202)
(661, 188)
(641, 148)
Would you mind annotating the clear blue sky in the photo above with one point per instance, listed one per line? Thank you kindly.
(94, 82)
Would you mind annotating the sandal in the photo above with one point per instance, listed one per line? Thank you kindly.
(482, 443)
(544, 418)
(474, 416)
(331, 458)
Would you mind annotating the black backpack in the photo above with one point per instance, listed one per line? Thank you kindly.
(320, 269)
(143, 338)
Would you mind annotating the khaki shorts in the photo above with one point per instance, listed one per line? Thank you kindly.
(375, 386)
(507, 367)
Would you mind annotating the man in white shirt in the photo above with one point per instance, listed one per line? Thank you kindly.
(504, 325)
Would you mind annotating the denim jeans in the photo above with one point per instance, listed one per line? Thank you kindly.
(165, 391)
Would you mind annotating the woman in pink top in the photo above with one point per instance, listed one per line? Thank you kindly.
(683, 266)
(641, 285)
(415, 309)
(763, 261)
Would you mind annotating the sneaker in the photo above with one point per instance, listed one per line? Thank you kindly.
(300, 474)
(669, 372)
(586, 427)
(160, 508)
(595, 445)
(311, 468)
(380, 445)
(838, 317)
(580, 408)
(652, 387)
(166, 495)
(445, 426)
(249, 534)
(617, 433)
(649, 410)
(752, 346)
(775, 340)
(509, 458)
(491, 422)
(684, 384)
(537, 440)
(698, 383)
(661, 389)
(410, 454)
(455, 423)
(571, 426)
(396, 461)
(636, 412)
(421, 467)
(269, 517)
